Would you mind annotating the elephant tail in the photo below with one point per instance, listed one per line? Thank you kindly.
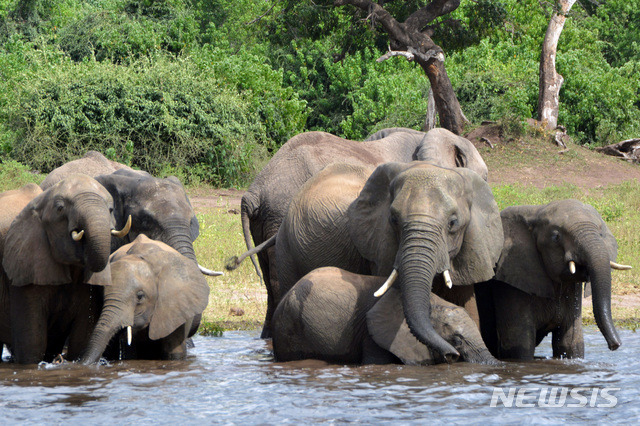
(246, 230)
(235, 261)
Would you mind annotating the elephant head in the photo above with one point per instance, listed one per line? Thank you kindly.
(564, 241)
(63, 232)
(154, 288)
(160, 208)
(424, 222)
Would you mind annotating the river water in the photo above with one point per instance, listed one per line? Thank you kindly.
(233, 380)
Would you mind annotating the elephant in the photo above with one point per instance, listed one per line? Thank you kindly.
(11, 203)
(156, 292)
(420, 224)
(265, 203)
(57, 244)
(333, 315)
(93, 164)
(549, 251)
(159, 208)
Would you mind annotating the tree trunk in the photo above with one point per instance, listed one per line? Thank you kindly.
(430, 119)
(550, 80)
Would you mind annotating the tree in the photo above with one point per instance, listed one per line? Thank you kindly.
(550, 80)
(409, 40)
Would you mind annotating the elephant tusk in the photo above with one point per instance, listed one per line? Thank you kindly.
(124, 231)
(209, 272)
(77, 236)
(572, 267)
(387, 284)
(619, 266)
(447, 279)
(129, 336)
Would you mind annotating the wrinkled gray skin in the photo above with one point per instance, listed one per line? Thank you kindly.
(46, 271)
(414, 217)
(534, 293)
(157, 292)
(159, 208)
(265, 203)
(332, 315)
(92, 164)
(11, 203)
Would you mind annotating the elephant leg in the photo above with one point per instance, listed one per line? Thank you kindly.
(174, 346)
(515, 323)
(88, 303)
(567, 339)
(487, 315)
(28, 323)
(267, 265)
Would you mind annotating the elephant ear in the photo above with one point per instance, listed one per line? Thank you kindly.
(183, 293)
(369, 226)
(483, 238)
(388, 328)
(27, 255)
(520, 264)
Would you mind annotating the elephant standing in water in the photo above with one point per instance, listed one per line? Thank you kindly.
(549, 252)
(56, 245)
(265, 203)
(333, 315)
(420, 224)
(155, 293)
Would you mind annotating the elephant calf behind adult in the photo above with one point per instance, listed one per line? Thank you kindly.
(333, 315)
(157, 293)
(91, 164)
(549, 252)
(265, 203)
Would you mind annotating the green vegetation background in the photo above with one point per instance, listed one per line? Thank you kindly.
(208, 89)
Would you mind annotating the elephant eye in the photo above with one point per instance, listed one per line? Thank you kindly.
(555, 236)
(453, 223)
(140, 296)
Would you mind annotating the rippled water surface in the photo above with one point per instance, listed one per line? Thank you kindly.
(233, 379)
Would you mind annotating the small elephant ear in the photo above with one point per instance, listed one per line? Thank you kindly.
(369, 226)
(27, 255)
(483, 238)
(388, 328)
(182, 294)
(98, 278)
(520, 264)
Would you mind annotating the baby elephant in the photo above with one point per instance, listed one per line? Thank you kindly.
(333, 315)
(155, 294)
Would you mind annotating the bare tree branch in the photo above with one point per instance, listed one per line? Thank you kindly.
(422, 17)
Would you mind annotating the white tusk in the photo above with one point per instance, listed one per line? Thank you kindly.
(387, 284)
(209, 272)
(129, 336)
(77, 236)
(124, 231)
(572, 267)
(619, 266)
(447, 279)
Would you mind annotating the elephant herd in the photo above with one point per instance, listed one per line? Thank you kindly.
(388, 250)
(101, 263)
(394, 250)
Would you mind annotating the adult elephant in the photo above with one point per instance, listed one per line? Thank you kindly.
(414, 222)
(159, 208)
(92, 164)
(265, 203)
(155, 293)
(57, 244)
(549, 251)
(11, 203)
(333, 315)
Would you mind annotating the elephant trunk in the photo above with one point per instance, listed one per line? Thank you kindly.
(422, 253)
(599, 270)
(95, 221)
(113, 318)
(178, 236)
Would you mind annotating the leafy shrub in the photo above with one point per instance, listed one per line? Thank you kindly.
(14, 175)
